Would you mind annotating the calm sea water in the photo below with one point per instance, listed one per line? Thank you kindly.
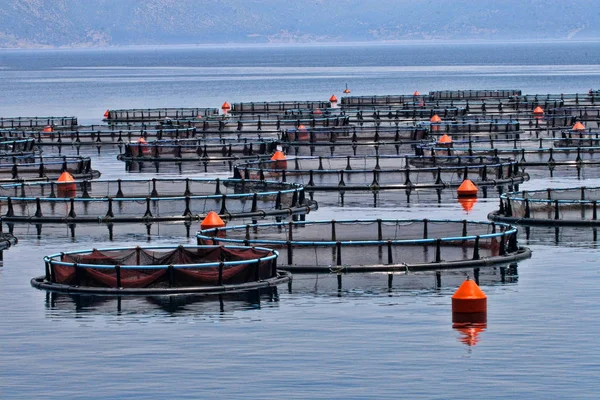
(365, 341)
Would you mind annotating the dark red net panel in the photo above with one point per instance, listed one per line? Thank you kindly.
(147, 277)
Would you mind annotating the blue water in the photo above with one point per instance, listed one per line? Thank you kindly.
(314, 341)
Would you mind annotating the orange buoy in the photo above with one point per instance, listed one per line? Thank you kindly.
(226, 107)
(317, 112)
(445, 139)
(107, 114)
(538, 110)
(435, 120)
(212, 220)
(467, 189)
(279, 160)
(467, 203)
(302, 133)
(142, 146)
(48, 129)
(416, 93)
(333, 99)
(66, 185)
(469, 304)
(578, 126)
(346, 90)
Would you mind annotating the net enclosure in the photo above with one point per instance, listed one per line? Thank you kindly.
(528, 157)
(197, 149)
(383, 172)
(354, 134)
(99, 136)
(377, 244)
(276, 106)
(17, 147)
(149, 200)
(244, 122)
(36, 122)
(161, 269)
(156, 114)
(575, 206)
(44, 168)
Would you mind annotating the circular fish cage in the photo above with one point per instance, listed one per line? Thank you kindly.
(379, 114)
(527, 157)
(100, 136)
(383, 172)
(589, 113)
(32, 168)
(276, 106)
(17, 147)
(156, 114)
(575, 206)
(405, 197)
(473, 128)
(196, 150)
(347, 147)
(147, 200)
(355, 134)
(245, 123)
(377, 245)
(37, 122)
(161, 270)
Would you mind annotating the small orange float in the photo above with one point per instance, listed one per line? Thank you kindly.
(467, 189)
(66, 185)
(279, 160)
(469, 304)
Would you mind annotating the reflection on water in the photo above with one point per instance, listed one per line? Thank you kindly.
(210, 306)
(469, 332)
(398, 283)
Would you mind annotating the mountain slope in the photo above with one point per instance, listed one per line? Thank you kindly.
(35, 23)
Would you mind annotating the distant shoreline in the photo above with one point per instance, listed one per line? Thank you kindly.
(309, 44)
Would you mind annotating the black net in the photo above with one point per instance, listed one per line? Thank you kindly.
(570, 205)
(380, 172)
(355, 134)
(155, 268)
(147, 200)
(157, 114)
(17, 147)
(372, 242)
(36, 168)
(197, 149)
(99, 136)
(36, 122)
(277, 106)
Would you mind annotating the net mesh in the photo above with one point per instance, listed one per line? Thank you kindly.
(569, 204)
(380, 171)
(152, 277)
(151, 199)
(325, 243)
